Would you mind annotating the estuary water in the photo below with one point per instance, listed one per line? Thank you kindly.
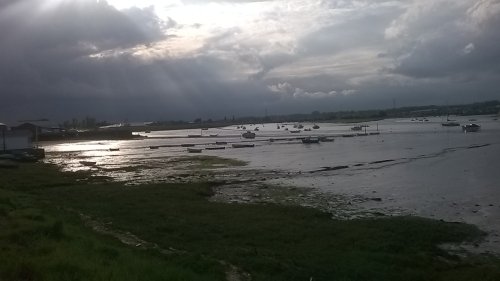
(406, 166)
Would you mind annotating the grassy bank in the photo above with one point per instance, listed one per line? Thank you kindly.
(45, 238)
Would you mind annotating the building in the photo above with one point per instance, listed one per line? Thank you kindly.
(14, 140)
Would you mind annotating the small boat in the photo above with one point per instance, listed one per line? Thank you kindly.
(194, 136)
(326, 139)
(356, 128)
(220, 142)
(154, 147)
(213, 135)
(469, 128)
(315, 126)
(374, 133)
(147, 132)
(300, 126)
(88, 163)
(348, 135)
(187, 144)
(242, 145)
(215, 147)
(307, 129)
(194, 150)
(310, 140)
(362, 134)
(256, 129)
(248, 135)
(286, 129)
(114, 149)
(278, 127)
(294, 131)
(243, 127)
(450, 124)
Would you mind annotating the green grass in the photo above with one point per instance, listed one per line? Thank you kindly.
(269, 241)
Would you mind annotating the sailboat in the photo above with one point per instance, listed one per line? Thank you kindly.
(450, 123)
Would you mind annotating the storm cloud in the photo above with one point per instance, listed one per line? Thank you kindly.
(63, 59)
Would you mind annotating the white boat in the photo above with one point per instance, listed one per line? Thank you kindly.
(194, 150)
(248, 135)
(469, 128)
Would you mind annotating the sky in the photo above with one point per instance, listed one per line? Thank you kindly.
(185, 59)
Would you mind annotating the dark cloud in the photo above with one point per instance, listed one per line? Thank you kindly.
(457, 39)
(77, 58)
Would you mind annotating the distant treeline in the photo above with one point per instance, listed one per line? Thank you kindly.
(480, 108)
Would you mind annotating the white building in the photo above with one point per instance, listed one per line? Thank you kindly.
(14, 140)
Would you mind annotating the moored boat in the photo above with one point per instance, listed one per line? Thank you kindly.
(315, 126)
(310, 140)
(242, 145)
(248, 135)
(194, 150)
(88, 163)
(450, 124)
(294, 131)
(326, 139)
(215, 147)
(469, 128)
(356, 128)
